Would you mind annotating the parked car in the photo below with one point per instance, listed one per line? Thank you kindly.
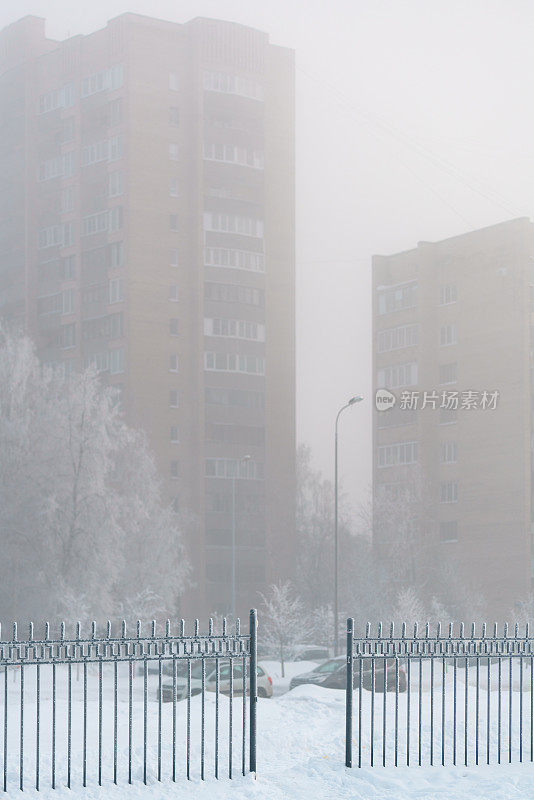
(332, 674)
(264, 681)
(311, 652)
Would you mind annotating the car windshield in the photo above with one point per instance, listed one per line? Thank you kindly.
(329, 666)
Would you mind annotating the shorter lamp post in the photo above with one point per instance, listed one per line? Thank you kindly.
(238, 463)
(356, 399)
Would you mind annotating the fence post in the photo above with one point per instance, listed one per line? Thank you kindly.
(348, 694)
(253, 623)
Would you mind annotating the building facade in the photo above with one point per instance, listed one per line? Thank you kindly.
(147, 227)
(453, 341)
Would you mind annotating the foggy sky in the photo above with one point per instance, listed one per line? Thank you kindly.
(414, 122)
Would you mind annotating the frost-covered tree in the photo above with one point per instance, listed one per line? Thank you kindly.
(81, 513)
(283, 622)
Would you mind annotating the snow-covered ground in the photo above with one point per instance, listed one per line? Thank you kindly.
(300, 746)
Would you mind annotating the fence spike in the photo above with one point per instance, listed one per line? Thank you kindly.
(93, 629)
(30, 631)
(403, 631)
(451, 624)
(138, 628)
(415, 630)
(47, 630)
(438, 630)
(182, 628)
(526, 630)
(427, 630)
(124, 629)
(153, 628)
(14, 631)
(473, 628)
(367, 629)
(483, 630)
(461, 630)
(224, 626)
(379, 635)
(197, 627)
(237, 626)
(391, 629)
(78, 630)
(109, 629)
(168, 628)
(505, 630)
(62, 631)
(210, 626)
(516, 630)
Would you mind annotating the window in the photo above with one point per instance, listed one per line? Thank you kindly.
(56, 236)
(231, 293)
(396, 338)
(449, 492)
(447, 335)
(234, 154)
(449, 452)
(399, 453)
(173, 398)
(173, 326)
(448, 531)
(233, 223)
(173, 293)
(115, 290)
(67, 297)
(173, 151)
(448, 373)
(110, 78)
(173, 362)
(235, 329)
(115, 184)
(233, 397)
(447, 294)
(234, 259)
(116, 361)
(231, 362)
(67, 337)
(396, 298)
(173, 187)
(67, 200)
(174, 434)
(115, 112)
(233, 468)
(175, 469)
(57, 98)
(173, 222)
(397, 375)
(67, 269)
(174, 116)
(173, 258)
(57, 167)
(227, 83)
(173, 82)
(104, 150)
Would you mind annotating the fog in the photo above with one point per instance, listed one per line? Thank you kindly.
(414, 122)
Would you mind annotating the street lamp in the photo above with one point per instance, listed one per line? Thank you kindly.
(238, 463)
(356, 399)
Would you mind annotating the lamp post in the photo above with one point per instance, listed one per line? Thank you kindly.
(356, 399)
(238, 463)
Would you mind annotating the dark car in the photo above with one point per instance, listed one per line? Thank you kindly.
(333, 675)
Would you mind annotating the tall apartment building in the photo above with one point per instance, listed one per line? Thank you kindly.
(147, 227)
(455, 319)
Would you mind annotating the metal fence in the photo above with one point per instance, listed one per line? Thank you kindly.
(129, 706)
(440, 697)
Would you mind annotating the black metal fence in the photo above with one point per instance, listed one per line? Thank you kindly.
(439, 698)
(129, 706)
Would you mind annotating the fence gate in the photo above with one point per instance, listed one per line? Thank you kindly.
(129, 706)
(440, 697)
